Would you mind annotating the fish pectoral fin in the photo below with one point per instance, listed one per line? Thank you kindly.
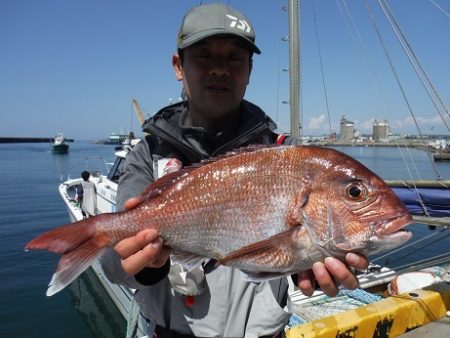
(294, 215)
(271, 244)
(187, 259)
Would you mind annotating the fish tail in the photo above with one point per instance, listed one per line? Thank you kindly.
(79, 244)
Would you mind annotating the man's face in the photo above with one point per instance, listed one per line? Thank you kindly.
(215, 74)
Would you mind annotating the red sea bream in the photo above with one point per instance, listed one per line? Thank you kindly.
(269, 211)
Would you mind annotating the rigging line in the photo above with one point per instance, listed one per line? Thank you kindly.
(421, 202)
(399, 84)
(411, 160)
(321, 64)
(410, 244)
(420, 71)
(443, 11)
(436, 260)
(419, 248)
(363, 52)
(426, 262)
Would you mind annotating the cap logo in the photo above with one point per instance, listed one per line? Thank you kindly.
(239, 23)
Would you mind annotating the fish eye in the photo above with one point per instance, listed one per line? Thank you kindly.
(355, 191)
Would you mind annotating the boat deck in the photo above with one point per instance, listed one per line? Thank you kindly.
(391, 317)
(437, 329)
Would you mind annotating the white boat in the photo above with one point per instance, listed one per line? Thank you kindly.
(117, 138)
(105, 180)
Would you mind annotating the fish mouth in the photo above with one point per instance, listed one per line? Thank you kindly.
(394, 225)
(391, 234)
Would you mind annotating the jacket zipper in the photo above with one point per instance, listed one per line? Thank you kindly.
(192, 153)
(242, 139)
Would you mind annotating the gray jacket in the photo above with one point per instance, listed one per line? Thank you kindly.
(207, 302)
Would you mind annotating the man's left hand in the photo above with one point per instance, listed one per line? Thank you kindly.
(332, 272)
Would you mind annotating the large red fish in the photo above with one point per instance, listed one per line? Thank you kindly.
(269, 211)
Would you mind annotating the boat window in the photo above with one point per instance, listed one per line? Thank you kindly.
(116, 170)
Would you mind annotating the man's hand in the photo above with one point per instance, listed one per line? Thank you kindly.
(330, 274)
(145, 249)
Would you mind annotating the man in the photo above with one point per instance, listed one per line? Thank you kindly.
(214, 62)
(86, 195)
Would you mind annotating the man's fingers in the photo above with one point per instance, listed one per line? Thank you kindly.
(132, 203)
(341, 273)
(162, 258)
(357, 261)
(324, 279)
(129, 246)
(306, 282)
(143, 258)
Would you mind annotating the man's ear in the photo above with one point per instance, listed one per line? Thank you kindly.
(250, 67)
(177, 66)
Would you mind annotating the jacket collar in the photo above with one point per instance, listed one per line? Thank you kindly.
(170, 124)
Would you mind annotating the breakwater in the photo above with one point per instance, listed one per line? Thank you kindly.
(29, 140)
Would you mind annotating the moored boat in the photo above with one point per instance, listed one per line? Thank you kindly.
(105, 176)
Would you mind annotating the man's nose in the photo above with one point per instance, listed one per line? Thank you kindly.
(219, 67)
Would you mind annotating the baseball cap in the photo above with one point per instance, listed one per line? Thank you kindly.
(215, 19)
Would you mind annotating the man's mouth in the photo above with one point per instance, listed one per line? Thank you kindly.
(217, 88)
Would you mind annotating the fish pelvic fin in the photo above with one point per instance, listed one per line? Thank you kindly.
(79, 244)
(278, 244)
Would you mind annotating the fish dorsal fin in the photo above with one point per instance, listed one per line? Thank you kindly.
(238, 151)
(282, 240)
(168, 180)
(161, 184)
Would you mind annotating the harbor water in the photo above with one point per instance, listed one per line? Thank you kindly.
(30, 204)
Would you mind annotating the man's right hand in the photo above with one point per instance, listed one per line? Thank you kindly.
(145, 249)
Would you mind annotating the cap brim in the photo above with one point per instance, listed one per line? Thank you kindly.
(194, 38)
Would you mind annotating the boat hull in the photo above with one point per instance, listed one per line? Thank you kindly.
(60, 149)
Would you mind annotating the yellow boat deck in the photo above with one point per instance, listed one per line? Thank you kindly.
(403, 315)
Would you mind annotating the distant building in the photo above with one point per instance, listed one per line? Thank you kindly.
(347, 130)
(380, 130)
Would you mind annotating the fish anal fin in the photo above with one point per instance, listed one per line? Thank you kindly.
(272, 246)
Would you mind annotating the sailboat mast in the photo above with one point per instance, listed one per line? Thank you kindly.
(294, 69)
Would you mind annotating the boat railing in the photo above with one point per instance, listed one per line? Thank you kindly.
(96, 165)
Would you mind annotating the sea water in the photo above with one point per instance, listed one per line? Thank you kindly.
(30, 204)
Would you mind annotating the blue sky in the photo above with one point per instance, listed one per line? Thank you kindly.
(74, 66)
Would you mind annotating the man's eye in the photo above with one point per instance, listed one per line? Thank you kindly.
(203, 56)
(237, 58)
